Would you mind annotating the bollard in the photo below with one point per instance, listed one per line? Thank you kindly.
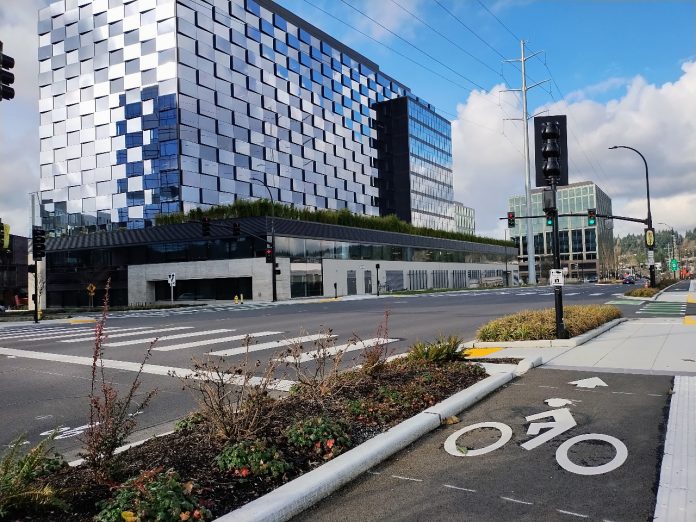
(236, 300)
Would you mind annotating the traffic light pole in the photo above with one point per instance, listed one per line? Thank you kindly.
(36, 291)
(561, 332)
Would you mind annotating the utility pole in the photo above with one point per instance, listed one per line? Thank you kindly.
(531, 254)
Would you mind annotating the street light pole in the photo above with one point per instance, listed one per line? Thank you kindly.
(273, 252)
(675, 253)
(649, 220)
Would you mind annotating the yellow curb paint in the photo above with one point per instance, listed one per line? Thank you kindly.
(480, 352)
(81, 321)
(690, 319)
(690, 299)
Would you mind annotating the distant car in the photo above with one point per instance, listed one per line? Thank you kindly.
(187, 296)
(592, 279)
(629, 281)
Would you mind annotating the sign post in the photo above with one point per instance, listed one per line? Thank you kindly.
(172, 283)
(90, 292)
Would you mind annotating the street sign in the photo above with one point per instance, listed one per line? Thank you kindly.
(91, 288)
(651, 257)
(674, 264)
(172, 279)
(556, 277)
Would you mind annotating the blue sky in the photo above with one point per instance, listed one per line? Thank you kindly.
(626, 71)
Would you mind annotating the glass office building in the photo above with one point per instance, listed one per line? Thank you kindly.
(160, 106)
(464, 219)
(584, 250)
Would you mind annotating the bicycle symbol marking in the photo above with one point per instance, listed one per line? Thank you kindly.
(562, 421)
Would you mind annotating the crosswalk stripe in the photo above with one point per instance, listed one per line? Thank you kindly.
(595, 295)
(217, 340)
(273, 344)
(572, 293)
(151, 369)
(129, 334)
(168, 337)
(65, 334)
(349, 347)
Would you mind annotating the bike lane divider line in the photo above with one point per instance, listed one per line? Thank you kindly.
(450, 486)
(509, 499)
(572, 513)
(406, 478)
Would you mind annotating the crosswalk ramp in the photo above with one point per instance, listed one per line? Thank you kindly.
(663, 308)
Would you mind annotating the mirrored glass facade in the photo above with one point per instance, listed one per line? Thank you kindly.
(464, 219)
(159, 106)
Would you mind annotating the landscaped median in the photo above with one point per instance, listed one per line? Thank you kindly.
(245, 441)
(537, 328)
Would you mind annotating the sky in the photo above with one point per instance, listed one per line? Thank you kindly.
(624, 73)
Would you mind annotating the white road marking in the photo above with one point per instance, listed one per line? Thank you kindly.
(168, 337)
(373, 472)
(333, 350)
(518, 501)
(591, 383)
(595, 295)
(56, 334)
(573, 293)
(129, 334)
(580, 515)
(459, 489)
(150, 369)
(218, 340)
(272, 345)
(407, 478)
(624, 393)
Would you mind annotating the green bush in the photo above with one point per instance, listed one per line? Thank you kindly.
(444, 349)
(20, 474)
(153, 496)
(642, 292)
(256, 458)
(324, 436)
(532, 325)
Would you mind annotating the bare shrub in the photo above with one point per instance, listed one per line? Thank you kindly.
(111, 416)
(375, 356)
(235, 404)
(318, 381)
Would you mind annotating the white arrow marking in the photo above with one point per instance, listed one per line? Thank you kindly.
(558, 403)
(592, 382)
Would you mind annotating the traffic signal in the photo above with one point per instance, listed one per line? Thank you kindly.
(6, 77)
(591, 217)
(511, 219)
(236, 229)
(549, 217)
(4, 235)
(205, 226)
(38, 241)
(551, 150)
(269, 255)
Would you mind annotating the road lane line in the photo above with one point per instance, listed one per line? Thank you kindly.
(150, 369)
(518, 501)
(459, 489)
(218, 340)
(168, 337)
(333, 350)
(273, 344)
(129, 334)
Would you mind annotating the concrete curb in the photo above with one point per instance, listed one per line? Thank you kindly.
(297, 495)
(547, 343)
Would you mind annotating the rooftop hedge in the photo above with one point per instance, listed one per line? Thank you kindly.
(262, 207)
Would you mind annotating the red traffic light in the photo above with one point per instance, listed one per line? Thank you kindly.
(511, 219)
(269, 255)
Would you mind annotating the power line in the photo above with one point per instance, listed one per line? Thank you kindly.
(517, 38)
(414, 46)
(446, 38)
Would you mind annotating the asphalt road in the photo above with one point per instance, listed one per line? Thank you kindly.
(426, 483)
(46, 373)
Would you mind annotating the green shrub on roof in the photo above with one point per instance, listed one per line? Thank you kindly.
(262, 207)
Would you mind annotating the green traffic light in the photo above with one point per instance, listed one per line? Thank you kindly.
(592, 222)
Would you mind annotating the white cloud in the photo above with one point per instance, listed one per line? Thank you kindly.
(19, 120)
(598, 88)
(392, 17)
(654, 119)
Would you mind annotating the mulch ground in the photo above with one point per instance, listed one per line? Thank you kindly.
(367, 404)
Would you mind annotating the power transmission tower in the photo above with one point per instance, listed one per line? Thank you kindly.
(531, 254)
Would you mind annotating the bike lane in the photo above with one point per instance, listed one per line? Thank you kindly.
(425, 482)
